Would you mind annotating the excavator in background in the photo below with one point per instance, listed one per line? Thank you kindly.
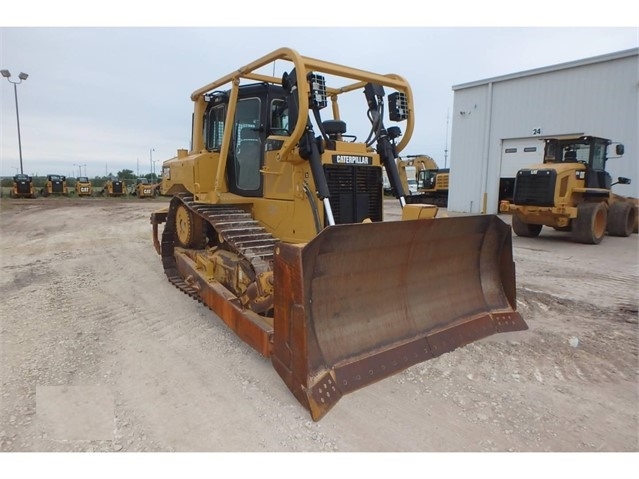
(83, 186)
(571, 191)
(276, 224)
(22, 187)
(431, 181)
(55, 185)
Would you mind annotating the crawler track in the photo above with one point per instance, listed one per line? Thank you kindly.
(236, 231)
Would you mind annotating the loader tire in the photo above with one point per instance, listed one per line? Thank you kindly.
(590, 225)
(621, 219)
(189, 228)
(525, 229)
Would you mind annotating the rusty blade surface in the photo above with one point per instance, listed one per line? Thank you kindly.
(361, 302)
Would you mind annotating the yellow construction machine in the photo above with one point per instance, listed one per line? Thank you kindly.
(22, 187)
(431, 181)
(114, 187)
(143, 188)
(83, 186)
(571, 191)
(276, 224)
(55, 185)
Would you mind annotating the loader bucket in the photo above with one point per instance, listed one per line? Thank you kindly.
(361, 302)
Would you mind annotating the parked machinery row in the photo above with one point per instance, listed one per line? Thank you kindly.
(23, 186)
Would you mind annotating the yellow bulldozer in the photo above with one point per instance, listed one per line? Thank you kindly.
(571, 191)
(22, 187)
(276, 224)
(83, 186)
(55, 185)
(431, 181)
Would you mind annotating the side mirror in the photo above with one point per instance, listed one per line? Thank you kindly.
(623, 181)
(619, 150)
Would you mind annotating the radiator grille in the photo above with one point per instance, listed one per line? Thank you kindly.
(24, 187)
(356, 192)
(535, 187)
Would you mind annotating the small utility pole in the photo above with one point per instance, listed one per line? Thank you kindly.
(446, 147)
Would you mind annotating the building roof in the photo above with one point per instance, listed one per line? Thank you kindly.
(560, 66)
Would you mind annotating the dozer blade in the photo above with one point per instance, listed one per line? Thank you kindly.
(361, 302)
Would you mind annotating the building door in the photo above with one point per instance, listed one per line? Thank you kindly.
(517, 154)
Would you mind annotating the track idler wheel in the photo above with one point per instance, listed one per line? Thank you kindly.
(189, 228)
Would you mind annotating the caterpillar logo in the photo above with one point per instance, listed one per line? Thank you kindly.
(352, 160)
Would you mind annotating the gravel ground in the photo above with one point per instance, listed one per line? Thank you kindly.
(90, 328)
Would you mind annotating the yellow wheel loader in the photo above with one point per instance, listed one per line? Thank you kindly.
(431, 182)
(22, 187)
(275, 223)
(83, 186)
(55, 185)
(571, 191)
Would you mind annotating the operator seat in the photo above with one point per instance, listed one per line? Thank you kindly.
(570, 156)
(248, 159)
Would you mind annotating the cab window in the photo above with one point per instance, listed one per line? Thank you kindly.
(214, 128)
(279, 118)
(248, 144)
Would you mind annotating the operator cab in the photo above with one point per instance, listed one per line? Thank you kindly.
(261, 111)
(587, 150)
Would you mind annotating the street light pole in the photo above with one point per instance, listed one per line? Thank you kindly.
(22, 76)
(151, 160)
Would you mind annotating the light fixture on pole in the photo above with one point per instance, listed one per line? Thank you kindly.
(22, 76)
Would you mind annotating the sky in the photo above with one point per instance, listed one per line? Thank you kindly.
(113, 94)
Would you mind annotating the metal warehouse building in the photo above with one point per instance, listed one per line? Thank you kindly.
(499, 124)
